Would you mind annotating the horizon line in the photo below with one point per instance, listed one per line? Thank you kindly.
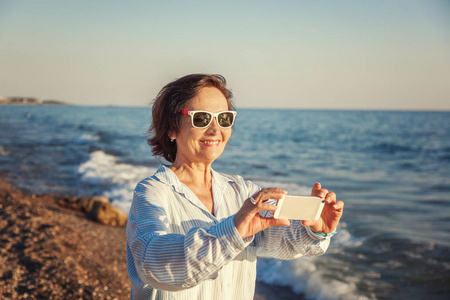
(249, 108)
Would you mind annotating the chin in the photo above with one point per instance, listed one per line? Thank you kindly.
(213, 155)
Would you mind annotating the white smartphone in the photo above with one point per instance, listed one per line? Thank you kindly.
(299, 208)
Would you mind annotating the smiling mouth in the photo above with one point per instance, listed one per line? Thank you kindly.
(210, 143)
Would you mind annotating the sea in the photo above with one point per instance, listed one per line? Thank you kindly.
(391, 168)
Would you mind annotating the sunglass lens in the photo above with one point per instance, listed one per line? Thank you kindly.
(201, 119)
(225, 119)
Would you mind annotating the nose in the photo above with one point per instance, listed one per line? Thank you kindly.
(214, 126)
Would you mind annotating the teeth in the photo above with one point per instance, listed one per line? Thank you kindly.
(210, 143)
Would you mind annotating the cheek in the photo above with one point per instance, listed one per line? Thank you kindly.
(187, 133)
(226, 135)
(192, 138)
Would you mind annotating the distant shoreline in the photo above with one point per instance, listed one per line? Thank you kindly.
(40, 102)
(29, 101)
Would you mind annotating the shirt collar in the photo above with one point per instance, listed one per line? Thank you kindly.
(219, 184)
(167, 176)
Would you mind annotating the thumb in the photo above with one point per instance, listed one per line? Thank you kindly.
(308, 223)
(278, 222)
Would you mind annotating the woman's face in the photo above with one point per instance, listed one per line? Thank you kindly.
(202, 145)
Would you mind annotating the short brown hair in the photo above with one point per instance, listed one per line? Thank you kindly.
(167, 106)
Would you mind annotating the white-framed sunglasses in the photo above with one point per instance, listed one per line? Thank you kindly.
(202, 119)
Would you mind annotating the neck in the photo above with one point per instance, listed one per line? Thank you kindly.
(193, 174)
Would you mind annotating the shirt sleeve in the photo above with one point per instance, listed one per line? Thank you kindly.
(173, 262)
(287, 242)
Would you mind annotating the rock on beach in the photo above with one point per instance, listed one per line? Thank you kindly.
(97, 208)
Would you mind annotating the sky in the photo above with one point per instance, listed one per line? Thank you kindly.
(382, 55)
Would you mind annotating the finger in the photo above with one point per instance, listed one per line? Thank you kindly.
(322, 193)
(266, 194)
(339, 206)
(315, 189)
(267, 206)
(330, 198)
(318, 191)
(253, 200)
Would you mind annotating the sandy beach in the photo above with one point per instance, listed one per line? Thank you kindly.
(50, 252)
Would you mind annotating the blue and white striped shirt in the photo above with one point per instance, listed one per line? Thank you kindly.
(176, 249)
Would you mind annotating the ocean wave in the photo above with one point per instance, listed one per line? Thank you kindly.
(307, 276)
(104, 169)
(320, 277)
(87, 138)
(392, 148)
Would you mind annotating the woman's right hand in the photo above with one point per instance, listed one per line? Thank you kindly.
(248, 221)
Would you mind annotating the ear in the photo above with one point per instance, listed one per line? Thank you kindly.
(172, 136)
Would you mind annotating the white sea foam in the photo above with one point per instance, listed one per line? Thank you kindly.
(306, 276)
(88, 137)
(309, 275)
(103, 168)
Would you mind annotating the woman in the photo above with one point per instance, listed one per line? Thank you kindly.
(194, 233)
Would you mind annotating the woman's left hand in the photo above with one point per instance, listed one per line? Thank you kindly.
(331, 214)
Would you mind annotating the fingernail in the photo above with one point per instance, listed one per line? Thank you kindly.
(321, 194)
